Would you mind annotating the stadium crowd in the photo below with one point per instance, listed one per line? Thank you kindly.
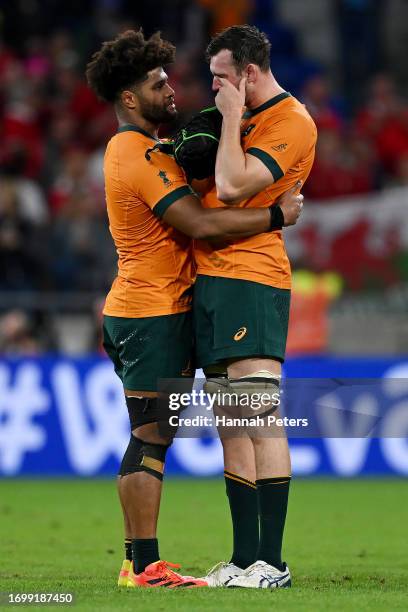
(53, 226)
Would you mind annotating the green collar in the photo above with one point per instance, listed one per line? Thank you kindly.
(134, 128)
(267, 104)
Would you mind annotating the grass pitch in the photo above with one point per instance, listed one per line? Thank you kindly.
(345, 544)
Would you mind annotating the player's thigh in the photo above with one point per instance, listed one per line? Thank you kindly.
(237, 368)
(146, 350)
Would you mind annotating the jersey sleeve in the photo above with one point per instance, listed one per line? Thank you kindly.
(280, 146)
(161, 182)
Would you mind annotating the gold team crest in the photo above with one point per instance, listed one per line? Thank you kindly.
(163, 175)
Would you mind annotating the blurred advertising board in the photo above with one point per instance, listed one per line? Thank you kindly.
(67, 417)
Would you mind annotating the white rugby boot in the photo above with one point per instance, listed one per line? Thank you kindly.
(222, 573)
(261, 575)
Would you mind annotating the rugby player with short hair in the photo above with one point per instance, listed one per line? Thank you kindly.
(242, 292)
(153, 212)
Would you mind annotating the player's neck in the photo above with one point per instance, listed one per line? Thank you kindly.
(134, 119)
(266, 88)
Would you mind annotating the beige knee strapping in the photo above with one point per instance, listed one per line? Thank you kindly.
(261, 386)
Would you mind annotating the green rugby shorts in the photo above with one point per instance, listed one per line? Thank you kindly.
(235, 318)
(147, 349)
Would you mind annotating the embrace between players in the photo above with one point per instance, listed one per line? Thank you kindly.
(229, 290)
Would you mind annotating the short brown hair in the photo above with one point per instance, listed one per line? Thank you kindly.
(247, 44)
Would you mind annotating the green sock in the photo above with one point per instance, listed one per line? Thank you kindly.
(244, 514)
(128, 549)
(273, 503)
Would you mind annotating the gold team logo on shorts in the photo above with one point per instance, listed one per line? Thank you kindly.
(240, 334)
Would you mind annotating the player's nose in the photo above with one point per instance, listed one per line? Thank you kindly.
(215, 84)
(170, 91)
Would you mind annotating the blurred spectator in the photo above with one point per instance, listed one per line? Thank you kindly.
(384, 120)
(23, 250)
(21, 120)
(83, 254)
(72, 180)
(72, 96)
(17, 335)
(32, 205)
(60, 138)
(340, 169)
(37, 63)
(61, 50)
(319, 101)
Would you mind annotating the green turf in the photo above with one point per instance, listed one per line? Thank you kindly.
(345, 544)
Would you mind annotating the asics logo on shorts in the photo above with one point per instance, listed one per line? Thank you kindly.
(240, 334)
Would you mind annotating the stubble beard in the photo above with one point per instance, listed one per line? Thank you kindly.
(156, 114)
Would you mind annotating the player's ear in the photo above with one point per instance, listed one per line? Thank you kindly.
(251, 73)
(128, 99)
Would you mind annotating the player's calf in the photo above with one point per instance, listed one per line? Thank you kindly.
(142, 456)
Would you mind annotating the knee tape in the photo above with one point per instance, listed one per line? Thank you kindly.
(216, 379)
(144, 410)
(141, 456)
(260, 389)
(262, 381)
(216, 384)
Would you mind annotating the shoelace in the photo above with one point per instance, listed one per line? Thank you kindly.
(217, 567)
(164, 566)
(254, 569)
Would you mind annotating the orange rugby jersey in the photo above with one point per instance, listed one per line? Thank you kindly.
(155, 268)
(282, 135)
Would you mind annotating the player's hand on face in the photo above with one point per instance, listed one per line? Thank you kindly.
(229, 99)
(291, 204)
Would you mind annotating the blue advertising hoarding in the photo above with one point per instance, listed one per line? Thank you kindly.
(67, 417)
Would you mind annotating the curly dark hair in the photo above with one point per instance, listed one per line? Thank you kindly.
(247, 44)
(123, 62)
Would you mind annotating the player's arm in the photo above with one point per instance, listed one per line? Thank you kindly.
(187, 215)
(161, 184)
(237, 176)
(240, 175)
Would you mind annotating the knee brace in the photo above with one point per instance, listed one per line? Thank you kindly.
(141, 456)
